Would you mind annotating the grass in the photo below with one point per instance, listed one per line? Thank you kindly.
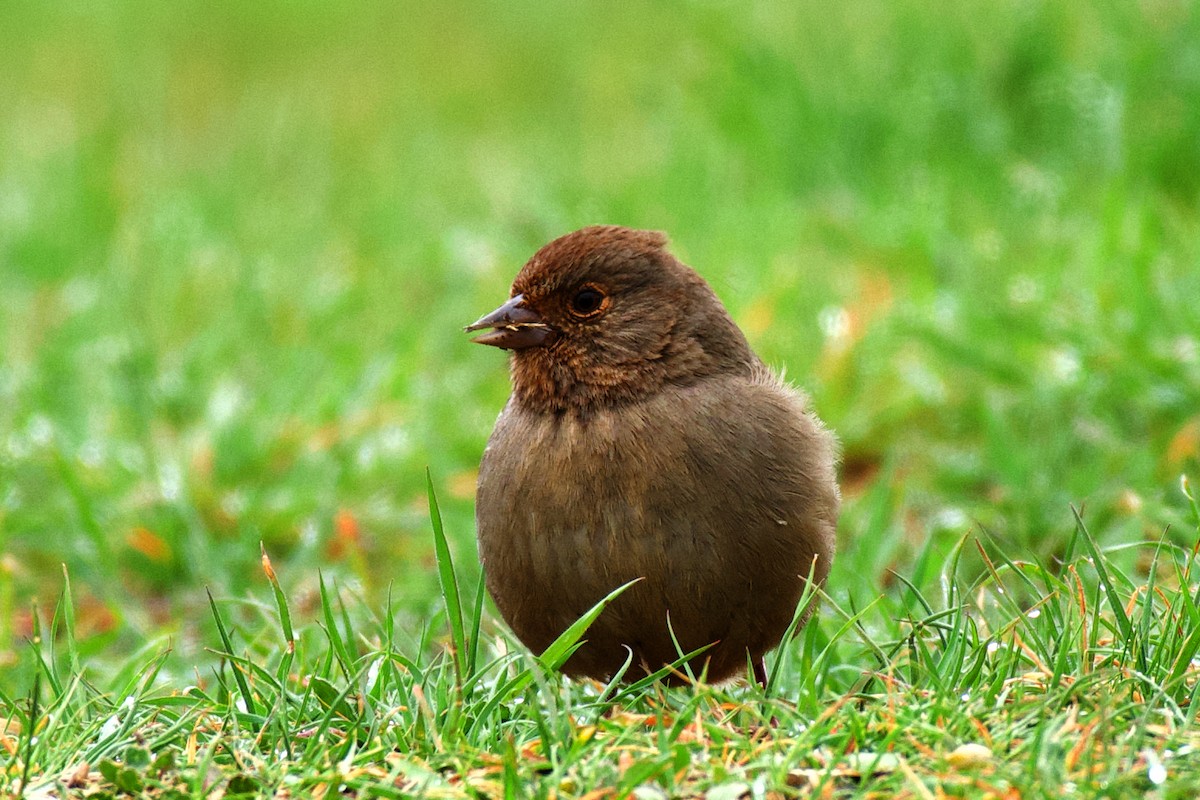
(1020, 680)
(237, 243)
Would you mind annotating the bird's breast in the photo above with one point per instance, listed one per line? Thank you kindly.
(661, 486)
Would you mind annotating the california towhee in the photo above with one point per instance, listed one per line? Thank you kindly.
(644, 439)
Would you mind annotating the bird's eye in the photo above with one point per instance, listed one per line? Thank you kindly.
(588, 301)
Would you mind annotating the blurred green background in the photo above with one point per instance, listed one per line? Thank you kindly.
(238, 242)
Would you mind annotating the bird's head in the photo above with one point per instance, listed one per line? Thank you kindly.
(606, 316)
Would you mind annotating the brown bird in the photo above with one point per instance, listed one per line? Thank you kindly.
(644, 439)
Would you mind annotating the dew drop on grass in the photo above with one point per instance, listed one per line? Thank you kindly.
(1064, 365)
(950, 519)
(170, 482)
(924, 380)
(224, 402)
(394, 440)
(993, 647)
(39, 430)
(1034, 613)
(945, 310)
(834, 322)
(367, 455)
(91, 454)
(310, 534)
(113, 723)
(1156, 772)
(1186, 350)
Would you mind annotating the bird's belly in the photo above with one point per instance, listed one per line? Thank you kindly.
(712, 533)
(563, 549)
(566, 571)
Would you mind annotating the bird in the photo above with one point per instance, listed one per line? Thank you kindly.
(645, 441)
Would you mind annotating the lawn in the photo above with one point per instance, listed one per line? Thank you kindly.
(238, 243)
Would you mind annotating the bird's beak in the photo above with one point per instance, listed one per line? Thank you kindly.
(514, 326)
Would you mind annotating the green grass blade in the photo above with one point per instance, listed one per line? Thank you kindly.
(807, 598)
(1110, 591)
(227, 644)
(476, 620)
(447, 578)
(35, 696)
(331, 627)
(554, 656)
(1185, 484)
(285, 617)
(68, 615)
